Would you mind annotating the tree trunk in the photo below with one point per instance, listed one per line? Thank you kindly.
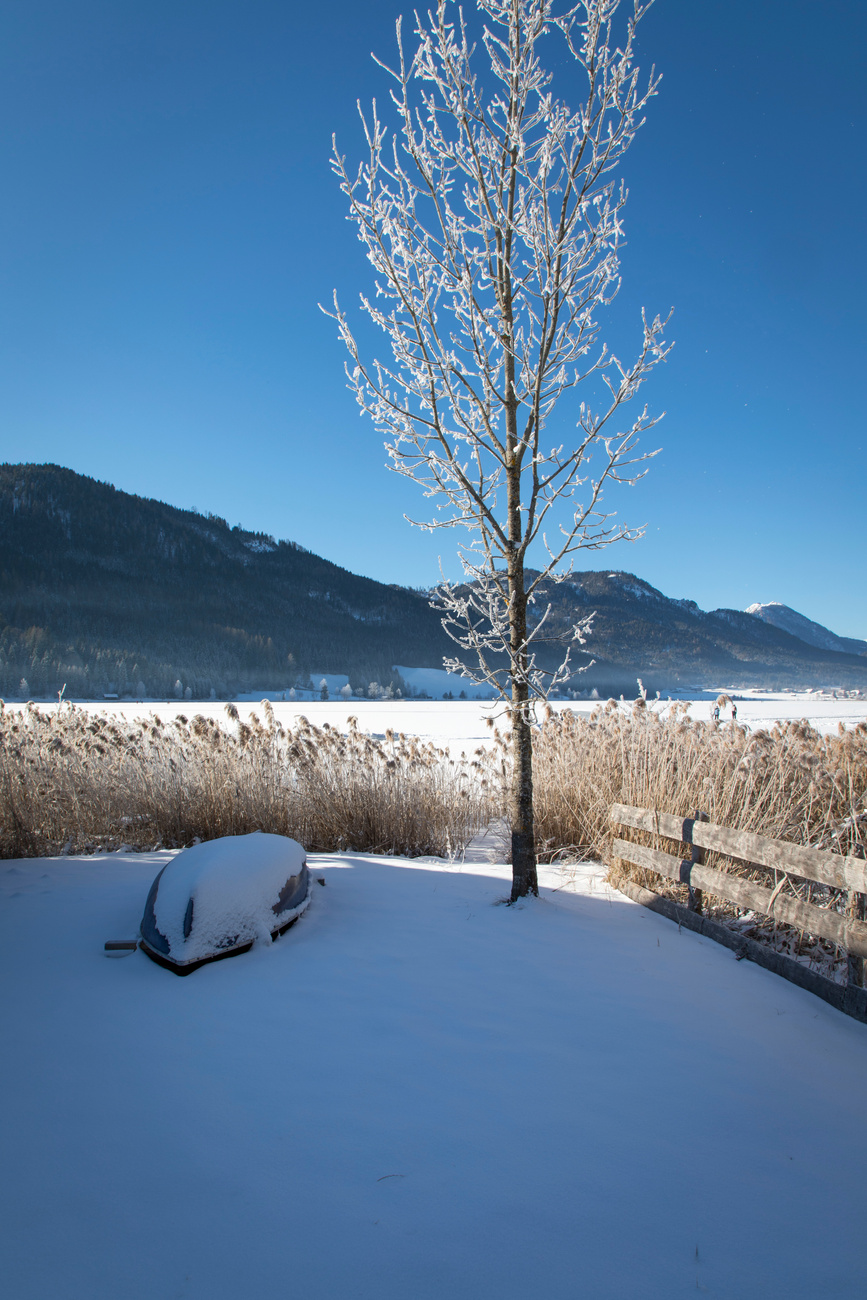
(524, 879)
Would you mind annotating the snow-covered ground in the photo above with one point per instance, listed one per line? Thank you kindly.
(417, 1094)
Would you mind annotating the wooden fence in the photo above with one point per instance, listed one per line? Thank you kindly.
(847, 876)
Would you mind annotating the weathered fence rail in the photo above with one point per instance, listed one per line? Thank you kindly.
(847, 929)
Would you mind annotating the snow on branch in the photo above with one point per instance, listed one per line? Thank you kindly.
(492, 218)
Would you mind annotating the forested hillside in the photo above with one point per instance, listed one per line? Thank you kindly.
(113, 593)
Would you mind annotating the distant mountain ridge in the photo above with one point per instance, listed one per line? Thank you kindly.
(789, 620)
(110, 592)
(638, 631)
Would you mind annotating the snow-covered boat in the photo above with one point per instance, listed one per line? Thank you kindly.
(219, 898)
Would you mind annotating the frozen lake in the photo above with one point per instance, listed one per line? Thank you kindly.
(462, 724)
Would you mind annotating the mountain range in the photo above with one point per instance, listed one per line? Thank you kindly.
(108, 592)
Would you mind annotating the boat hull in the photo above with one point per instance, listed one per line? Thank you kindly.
(187, 968)
(218, 898)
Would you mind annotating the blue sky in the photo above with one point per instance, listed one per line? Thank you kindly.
(170, 222)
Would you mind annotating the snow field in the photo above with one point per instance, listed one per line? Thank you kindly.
(463, 724)
(417, 1093)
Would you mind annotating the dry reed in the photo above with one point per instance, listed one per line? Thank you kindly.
(789, 783)
(72, 781)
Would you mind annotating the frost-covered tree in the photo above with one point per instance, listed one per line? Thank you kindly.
(492, 218)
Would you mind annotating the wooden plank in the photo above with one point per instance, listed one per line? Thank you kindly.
(849, 933)
(809, 864)
(846, 998)
(666, 864)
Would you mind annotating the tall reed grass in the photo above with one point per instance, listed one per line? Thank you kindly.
(71, 780)
(789, 782)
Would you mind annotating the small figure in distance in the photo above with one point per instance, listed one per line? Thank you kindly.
(716, 713)
(734, 712)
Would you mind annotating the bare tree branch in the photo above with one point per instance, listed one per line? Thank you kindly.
(492, 219)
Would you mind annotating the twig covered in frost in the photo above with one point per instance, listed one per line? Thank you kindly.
(492, 219)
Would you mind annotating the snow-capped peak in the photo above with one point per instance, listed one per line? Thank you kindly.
(814, 634)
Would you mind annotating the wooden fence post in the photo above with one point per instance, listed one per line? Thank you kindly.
(696, 898)
(858, 910)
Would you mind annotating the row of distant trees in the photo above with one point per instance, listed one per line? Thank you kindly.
(392, 690)
(45, 676)
(36, 664)
(106, 674)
